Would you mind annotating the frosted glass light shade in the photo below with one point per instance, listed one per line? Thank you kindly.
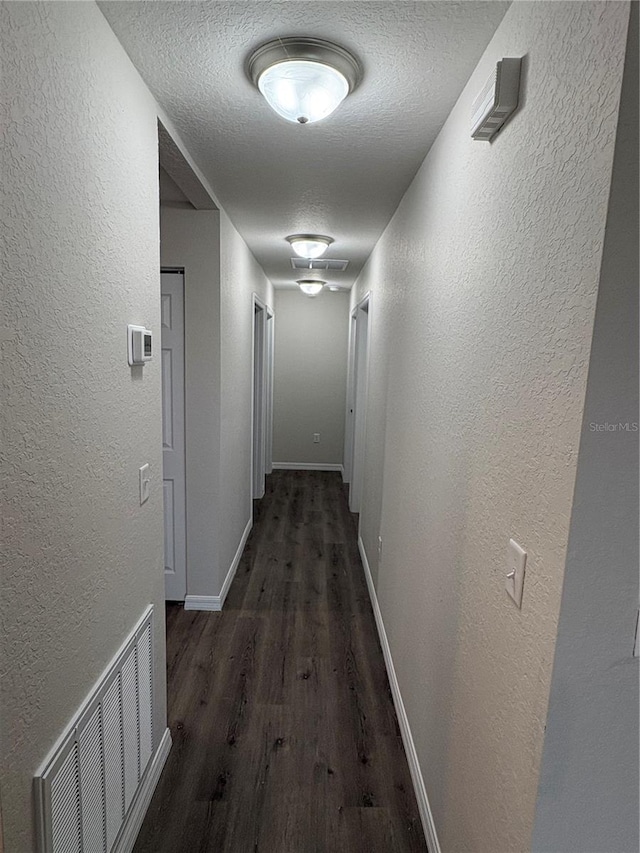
(310, 287)
(309, 245)
(303, 79)
(302, 91)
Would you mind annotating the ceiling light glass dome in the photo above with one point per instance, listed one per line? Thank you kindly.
(309, 245)
(302, 91)
(311, 286)
(303, 79)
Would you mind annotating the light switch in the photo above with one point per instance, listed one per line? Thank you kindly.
(516, 561)
(316, 438)
(145, 483)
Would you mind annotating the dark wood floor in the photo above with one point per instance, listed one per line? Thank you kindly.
(285, 738)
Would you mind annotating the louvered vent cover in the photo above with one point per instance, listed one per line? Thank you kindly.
(86, 785)
(319, 264)
(497, 100)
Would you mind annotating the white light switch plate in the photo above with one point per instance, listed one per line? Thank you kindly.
(145, 483)
(516, 561)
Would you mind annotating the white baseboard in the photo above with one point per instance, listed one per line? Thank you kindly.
(235, 563)
(216, 602)
(407, 738)
(131, 827)
(309, 466)
(203, 602)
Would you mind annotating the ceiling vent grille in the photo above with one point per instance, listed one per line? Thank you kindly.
(319, 264)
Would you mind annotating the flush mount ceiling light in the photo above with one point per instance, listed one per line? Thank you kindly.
(303, 79)
(311, 286)
(309, 245)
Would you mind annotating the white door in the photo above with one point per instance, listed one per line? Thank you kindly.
(173, 451)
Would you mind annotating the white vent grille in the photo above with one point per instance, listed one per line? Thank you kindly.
(497, 100)
(319, 264)
(85, 787)
(65, 804)
(92, 782)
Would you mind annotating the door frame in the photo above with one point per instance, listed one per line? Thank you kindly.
(260, 420)
(270, 349)
(356, 421)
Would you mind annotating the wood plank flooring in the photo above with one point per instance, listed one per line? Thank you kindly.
(285, 738)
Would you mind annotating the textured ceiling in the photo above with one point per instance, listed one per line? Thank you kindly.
(343, 176)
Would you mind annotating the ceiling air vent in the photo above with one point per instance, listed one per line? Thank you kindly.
(319, 264)
(497, 100)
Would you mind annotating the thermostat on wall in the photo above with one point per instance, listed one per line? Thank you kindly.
(139, 344)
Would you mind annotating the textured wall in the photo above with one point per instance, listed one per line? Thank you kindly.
(310, 376)
(79, 230)
(588, 795)
(191, 239)
(484, 289)
(240, 277)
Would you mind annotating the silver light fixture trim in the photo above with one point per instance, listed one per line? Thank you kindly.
(303, 79)
(309, 246)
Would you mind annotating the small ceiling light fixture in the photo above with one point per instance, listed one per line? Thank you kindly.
(309, 246)
(311, 286)
(334, 288)
(303, 79)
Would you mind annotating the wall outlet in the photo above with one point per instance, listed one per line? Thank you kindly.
(316, 438)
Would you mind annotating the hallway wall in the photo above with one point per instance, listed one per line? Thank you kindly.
(240, 278)
(588, 795)
(80, 228)
(221, 276)
(484, 291)
(191, 239)
(79, 231)
(310, 376)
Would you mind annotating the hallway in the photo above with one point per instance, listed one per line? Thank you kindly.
(450, 320)
(285, 736)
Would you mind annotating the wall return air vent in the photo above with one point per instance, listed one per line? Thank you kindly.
(497, 100)
(86, 786)
(319, 264)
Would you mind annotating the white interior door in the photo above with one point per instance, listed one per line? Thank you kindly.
(173, 448)
(361, 372)
(259, 398)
